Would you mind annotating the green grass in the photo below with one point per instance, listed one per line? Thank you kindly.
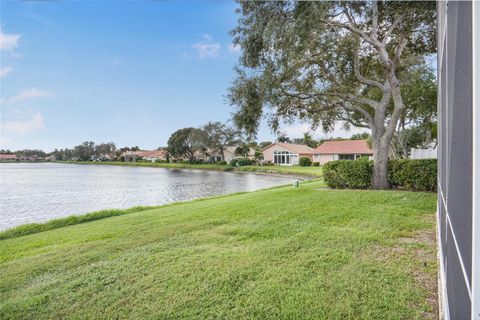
(295, 170)
(31, 228)
(282, 253)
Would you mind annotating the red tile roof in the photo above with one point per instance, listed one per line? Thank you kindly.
(146, 153)
(9, 156)
(344, 147)
(153, 154)
(297, 148)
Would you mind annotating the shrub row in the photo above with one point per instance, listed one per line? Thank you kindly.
(348, 174)
(304, 162)
(240, 162)
(407, 174)
(418, 175)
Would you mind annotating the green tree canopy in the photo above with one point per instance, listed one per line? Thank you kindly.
(325, 62)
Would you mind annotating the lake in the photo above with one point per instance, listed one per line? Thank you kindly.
(36, 192)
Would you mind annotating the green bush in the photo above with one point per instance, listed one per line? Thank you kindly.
(417, 175)
(304, 162)
(407, 174)
(240, 162)
(316, 164)
(222, 163)
(347, 174)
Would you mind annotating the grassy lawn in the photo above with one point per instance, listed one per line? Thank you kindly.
(282, 253)
(307, 171)
(296, 170)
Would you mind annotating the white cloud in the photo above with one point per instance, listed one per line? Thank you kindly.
(5, 71)
(23, 127)
(25, 95)
(234, 48)
(207, 48)
(8, 41)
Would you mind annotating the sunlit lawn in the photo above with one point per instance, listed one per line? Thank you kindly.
(282, 253)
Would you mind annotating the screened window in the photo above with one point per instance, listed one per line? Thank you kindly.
(285, 157)
(346, 156)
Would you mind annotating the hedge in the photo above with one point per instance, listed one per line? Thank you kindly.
(417, 175)
(348, 174)
(304, 162)
(407, 174)
(240, 162)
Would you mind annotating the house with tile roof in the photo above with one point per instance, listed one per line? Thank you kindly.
(289, 153)
(286, 153)
(8, 157)
(149, 155)
(342, 150)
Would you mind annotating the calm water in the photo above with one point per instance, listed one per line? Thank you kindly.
(35, 192)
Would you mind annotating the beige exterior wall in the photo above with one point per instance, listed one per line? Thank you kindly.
(323, 158)
(268, 153)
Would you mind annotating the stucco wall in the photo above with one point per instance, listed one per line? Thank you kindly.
(324, 158)
(268, 152)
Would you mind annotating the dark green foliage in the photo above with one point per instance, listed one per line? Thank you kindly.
(183, 143)
(63, 222)
(316, 164)
(417, 175)
(222, 163)
(414, 175)
(240, 162)
(304, 162)
(347, 174)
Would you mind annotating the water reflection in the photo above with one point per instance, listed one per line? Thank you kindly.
(34, 192)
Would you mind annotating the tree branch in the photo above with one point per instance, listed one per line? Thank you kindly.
(389, 32)
(355, 30)
(399, 49)
(360, 77)
(374, 20)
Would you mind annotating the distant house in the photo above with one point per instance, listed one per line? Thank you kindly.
(28, 158)
(229, 154)
(149, 155)
(8, 157)
(341, 150)
(286, 153)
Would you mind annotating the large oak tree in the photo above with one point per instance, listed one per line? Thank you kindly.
(325, 62)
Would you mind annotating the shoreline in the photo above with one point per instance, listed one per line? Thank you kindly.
(74, 219)
(311, 172)
(381, 241)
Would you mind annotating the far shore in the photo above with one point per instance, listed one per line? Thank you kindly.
(311, 172)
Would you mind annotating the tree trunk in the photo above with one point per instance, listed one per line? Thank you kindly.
(380, 163)
(222, 152)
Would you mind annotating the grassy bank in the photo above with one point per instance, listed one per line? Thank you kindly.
(283, 253)
(294, 170)
(31, 228)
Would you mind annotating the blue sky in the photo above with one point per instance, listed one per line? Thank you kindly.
(127, 72)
